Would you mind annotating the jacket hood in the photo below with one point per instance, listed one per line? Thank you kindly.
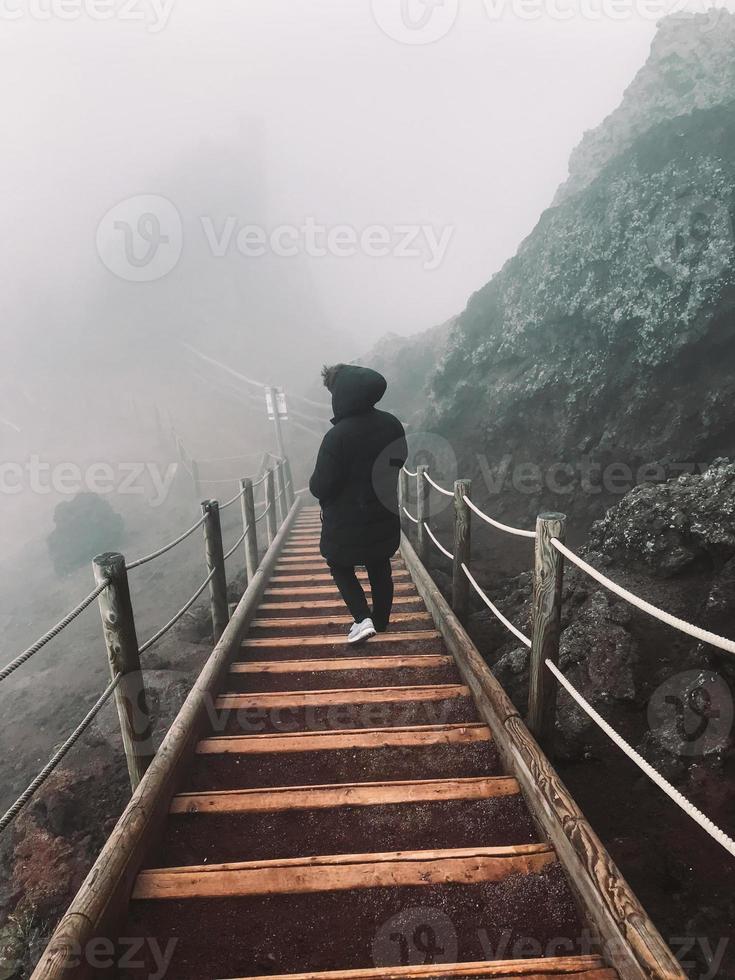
(356, 390)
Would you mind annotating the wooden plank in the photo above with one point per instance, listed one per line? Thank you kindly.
(331, 590)
(100, 906)
(281, 798)
(406, 636)
(637, 950)
(318, 578)
(299, 622)
(295, 605)
(569, 967)
(356, 695)
(417, 660)
(342, 872)
(357, 738)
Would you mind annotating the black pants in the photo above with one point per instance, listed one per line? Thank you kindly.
(381, 585)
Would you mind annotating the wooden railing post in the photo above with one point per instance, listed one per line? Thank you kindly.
(247, 503)
(462, 550)
(270, 503)
(290, 492)
(279, 491)
(547, 587)
(121, 640)
(422, 512)
(215, 561)
(403, 498)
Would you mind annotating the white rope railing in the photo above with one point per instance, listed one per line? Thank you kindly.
(410, 472)
(519, 532)
(439, 545)
(447, 493)
(167, 547)
(494, 609)
(232, 500)
(56, 758)
(54, 631)
(410, 516)
(705, 636)
(237, 544)
(261, 516)
(174, 619)
(704, 822)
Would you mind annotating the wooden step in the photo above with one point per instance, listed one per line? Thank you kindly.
(354, 738)
(280, 798)
(418, 660)
(314, 641)
(331, 590)
(356, 695)
(341, 872)
(308, 622)
(319, 577)
(568, 967)
(324, 605)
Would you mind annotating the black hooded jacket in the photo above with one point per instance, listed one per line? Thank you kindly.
(356, 474)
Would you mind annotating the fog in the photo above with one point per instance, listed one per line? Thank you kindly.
(288, 153)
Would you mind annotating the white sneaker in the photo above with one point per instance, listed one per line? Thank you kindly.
(361, 631)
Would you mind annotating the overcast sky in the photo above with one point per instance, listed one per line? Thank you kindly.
(468, 135)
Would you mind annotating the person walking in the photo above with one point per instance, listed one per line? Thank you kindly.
(355, 481)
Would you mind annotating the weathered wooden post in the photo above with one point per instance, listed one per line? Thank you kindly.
(247, 502)
(422, 512)
(215, 562)
(403, 498)
(547, 586)
(270, 503)
(280, 492)
(290, 493)
(121, 640)
(462, 550)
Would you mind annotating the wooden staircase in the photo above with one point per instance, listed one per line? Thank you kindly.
(347, 814)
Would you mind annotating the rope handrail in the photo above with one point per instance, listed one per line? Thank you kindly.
(231, 500)
(704, 822)
(447, 493)
(261, 516)
(494, 609)
(410, 516)
(705, 636)
(174, 619)
(257, 483)
(237, 544)
(57, 757)
(167, 547)
(439, 545)
(501, 527)
(50, 634)
(410, 472)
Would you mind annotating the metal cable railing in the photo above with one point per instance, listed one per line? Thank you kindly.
(54, 631)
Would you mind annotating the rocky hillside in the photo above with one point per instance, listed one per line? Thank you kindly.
(602, 352)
